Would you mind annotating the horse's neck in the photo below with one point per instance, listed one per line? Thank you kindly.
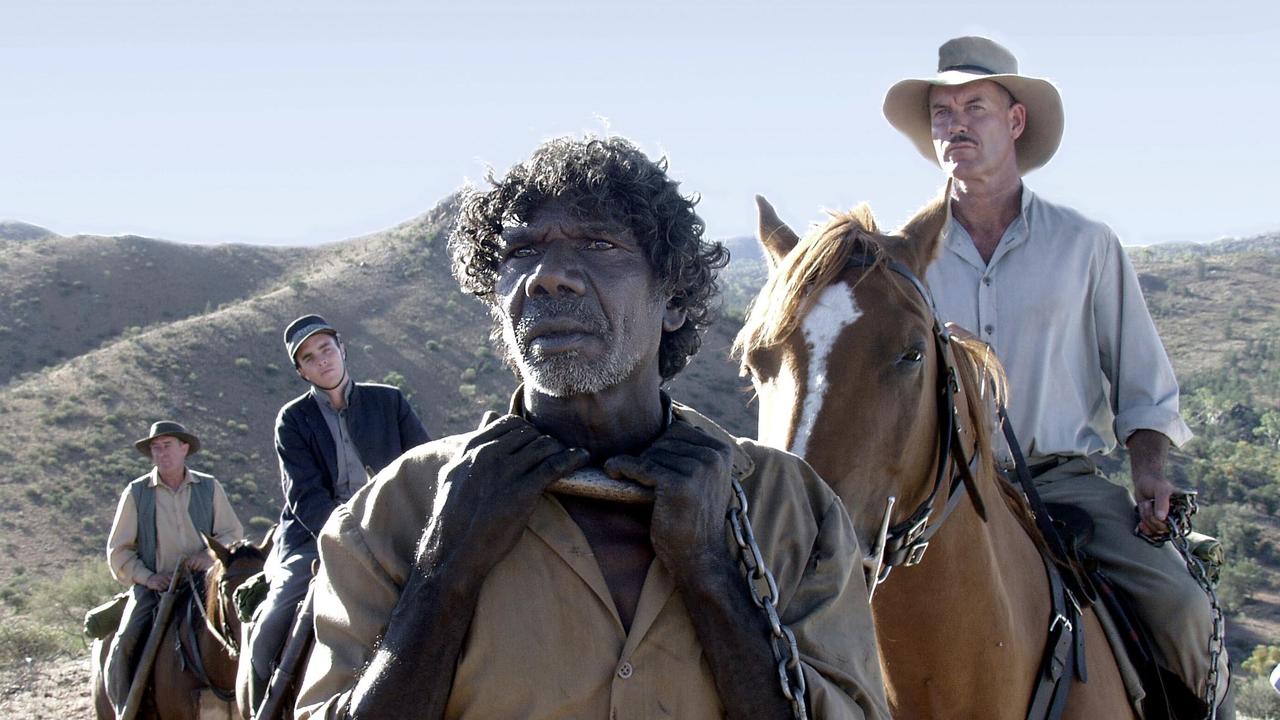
(220, 667)
(975, 607)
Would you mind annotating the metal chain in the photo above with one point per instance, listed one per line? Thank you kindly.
(1181, 508)
(764, 591)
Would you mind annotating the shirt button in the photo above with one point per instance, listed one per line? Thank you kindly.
(625, 671)
(986, 281)
(988, 329)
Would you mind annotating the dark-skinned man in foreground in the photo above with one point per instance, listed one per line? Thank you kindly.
(455, 585)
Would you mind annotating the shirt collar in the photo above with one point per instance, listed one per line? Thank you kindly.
(958, 241)
(517, 406)
(187, 477)
(322, 396)
(741, 464)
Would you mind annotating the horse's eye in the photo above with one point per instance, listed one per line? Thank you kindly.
(912, 356)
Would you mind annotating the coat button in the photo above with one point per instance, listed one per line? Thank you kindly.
(988, 329)
(625, 671)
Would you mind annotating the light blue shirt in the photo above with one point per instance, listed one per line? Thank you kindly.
(1061, 305)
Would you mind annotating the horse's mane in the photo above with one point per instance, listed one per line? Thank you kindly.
(815, 262)
(983, 379)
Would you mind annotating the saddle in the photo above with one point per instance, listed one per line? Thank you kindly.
(1160, 694)
(1066, 531)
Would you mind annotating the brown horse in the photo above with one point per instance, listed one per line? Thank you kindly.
(185, 670)
(850, 367)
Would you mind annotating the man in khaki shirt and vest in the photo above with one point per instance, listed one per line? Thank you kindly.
(158, 524)
(1054, 294)
(462, 583)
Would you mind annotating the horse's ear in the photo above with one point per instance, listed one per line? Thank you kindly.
(775, 237)
(923, 233)
(219, 550)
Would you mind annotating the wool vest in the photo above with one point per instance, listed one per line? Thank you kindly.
(199, 507)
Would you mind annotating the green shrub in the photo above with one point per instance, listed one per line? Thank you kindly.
(1256, 699)
(1239, 580)
(1262, 660)
(397, 379)
(21, 639)
(244, 363)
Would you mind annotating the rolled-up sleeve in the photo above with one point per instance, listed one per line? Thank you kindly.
(1144, 391)
(122, 544)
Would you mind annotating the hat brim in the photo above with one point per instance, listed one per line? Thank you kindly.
(906, 107)
(298, 345)
(144, 445)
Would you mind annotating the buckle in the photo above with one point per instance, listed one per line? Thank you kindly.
(1060, 619)
(915, 554)
(915, 531)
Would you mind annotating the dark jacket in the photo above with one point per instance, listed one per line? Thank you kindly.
(382, 427)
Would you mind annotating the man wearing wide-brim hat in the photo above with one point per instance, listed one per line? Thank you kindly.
(1054, 294)
(158, 524)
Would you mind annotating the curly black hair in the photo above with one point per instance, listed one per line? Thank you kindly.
(603, 179)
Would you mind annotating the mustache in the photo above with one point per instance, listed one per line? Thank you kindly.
(961, 137)
(540, 309)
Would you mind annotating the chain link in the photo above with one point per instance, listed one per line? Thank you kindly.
(764, 591)
(1181, 508)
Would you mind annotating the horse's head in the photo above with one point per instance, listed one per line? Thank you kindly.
(234, 564)
(848, 360)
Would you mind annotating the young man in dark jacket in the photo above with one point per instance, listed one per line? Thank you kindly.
(330, 441)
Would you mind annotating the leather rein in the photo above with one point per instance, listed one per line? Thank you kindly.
(189, 642)
(905, 542)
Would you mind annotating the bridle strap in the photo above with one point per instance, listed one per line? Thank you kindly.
(905, 543)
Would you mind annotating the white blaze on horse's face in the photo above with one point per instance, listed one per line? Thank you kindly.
(835, 310)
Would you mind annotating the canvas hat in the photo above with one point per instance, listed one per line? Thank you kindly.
(965, 60)
(171, 428)
(301, 329)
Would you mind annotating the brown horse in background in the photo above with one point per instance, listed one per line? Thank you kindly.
(175, 689)
(846, 359)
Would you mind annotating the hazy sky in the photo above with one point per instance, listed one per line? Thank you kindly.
(293, 122)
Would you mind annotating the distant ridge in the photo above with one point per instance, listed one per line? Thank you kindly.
(14, 230)
(1268, 243)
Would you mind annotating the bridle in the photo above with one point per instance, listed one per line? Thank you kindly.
(222, 632)
(905, 542)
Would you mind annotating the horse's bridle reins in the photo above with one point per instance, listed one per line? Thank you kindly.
(221, 632)
(904, 543)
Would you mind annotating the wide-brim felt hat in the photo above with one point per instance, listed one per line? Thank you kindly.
(301, 329)
(969, 59)
(170, 428)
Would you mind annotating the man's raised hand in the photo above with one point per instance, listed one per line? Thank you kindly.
(689, 473)
(490, 490)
